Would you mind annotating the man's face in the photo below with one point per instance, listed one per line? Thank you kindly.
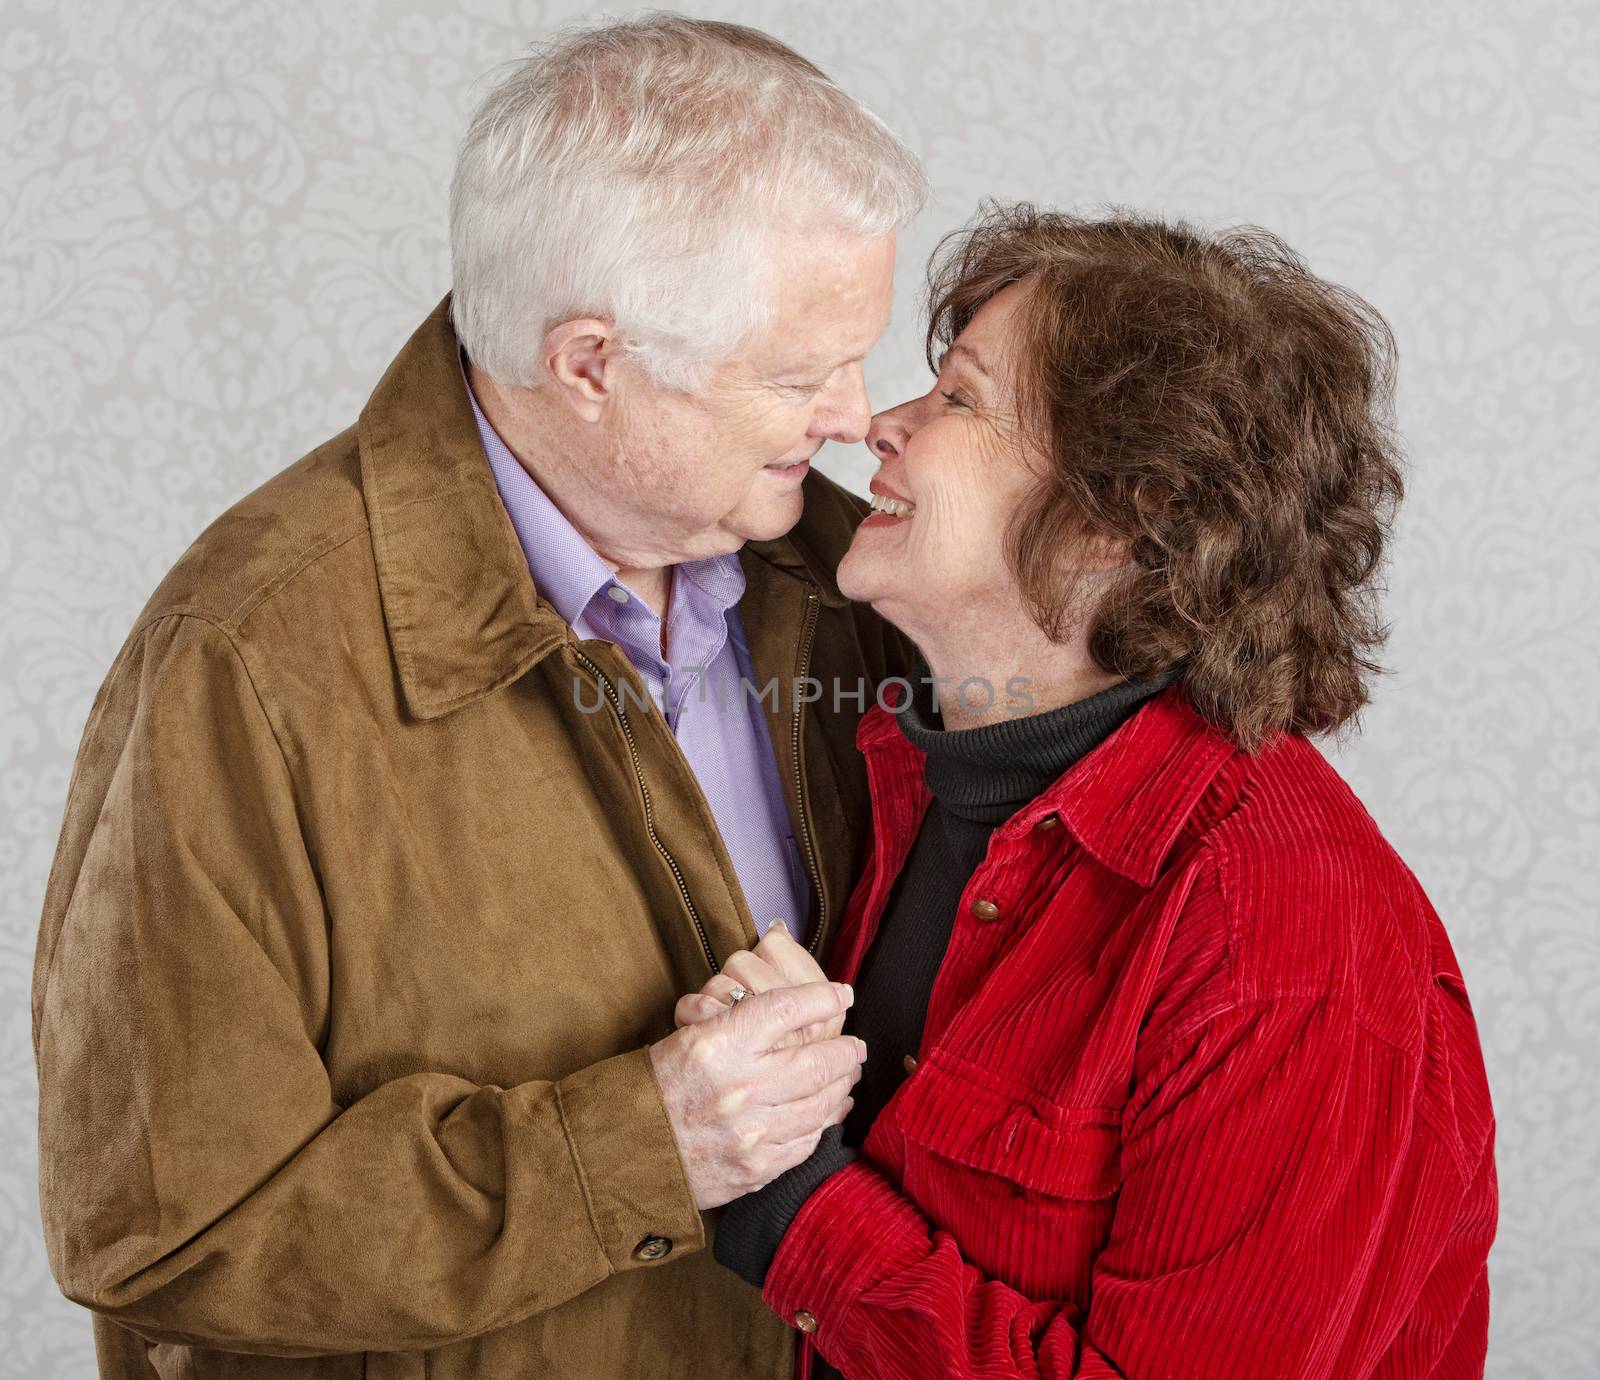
(699, 476)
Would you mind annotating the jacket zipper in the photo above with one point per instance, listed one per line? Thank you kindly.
(802, 665)
(649, 816)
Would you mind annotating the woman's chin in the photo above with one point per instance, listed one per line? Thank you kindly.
(865, 579)
(859, 576)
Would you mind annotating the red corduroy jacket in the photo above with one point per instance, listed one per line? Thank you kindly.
(1199, 1094)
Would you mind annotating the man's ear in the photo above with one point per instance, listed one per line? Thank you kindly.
(582, 359)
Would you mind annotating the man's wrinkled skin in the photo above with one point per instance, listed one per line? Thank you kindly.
(652, 476)
(748, 1097)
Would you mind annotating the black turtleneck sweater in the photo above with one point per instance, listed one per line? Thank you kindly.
(979, 778)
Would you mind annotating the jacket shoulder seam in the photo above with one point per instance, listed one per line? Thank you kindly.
(232, 619)
(292, 571)
(227, 630)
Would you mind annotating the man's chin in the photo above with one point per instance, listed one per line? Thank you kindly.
(767, 520)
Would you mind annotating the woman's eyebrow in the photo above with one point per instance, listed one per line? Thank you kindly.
(972, 357)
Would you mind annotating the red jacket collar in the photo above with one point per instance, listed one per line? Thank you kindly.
(1126, 802)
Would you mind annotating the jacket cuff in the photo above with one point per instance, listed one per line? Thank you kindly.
(853, 1232)
(753, 1227)
(628, 1162)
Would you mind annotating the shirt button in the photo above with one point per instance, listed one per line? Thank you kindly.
(910, 1061)
(986, 910)
(804, 1321)
(1048, 822)
(652, 1248)
(618, 593)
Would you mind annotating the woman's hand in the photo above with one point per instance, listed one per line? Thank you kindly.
(777, 961)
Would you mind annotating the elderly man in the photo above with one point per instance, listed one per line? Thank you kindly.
(442, 764)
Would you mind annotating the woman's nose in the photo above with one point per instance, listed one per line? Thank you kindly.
(886, 437)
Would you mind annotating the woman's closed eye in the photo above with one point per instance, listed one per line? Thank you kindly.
(955, 399)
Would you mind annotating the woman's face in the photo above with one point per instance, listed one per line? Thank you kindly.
(955, 461)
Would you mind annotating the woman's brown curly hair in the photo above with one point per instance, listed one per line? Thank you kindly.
(1208, 401)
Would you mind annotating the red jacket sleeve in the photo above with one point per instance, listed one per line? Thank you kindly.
(1295, 1202)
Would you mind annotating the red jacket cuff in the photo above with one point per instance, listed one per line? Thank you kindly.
(854, 1231)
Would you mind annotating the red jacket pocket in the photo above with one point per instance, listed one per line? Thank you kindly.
(961, 1114)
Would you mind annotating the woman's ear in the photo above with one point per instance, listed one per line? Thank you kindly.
(581, 356)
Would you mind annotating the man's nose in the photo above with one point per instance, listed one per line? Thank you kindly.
(849, 411)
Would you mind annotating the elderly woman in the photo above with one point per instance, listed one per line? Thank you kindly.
(1170, 1067)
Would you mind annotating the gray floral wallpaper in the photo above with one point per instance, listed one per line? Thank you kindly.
(219, 220)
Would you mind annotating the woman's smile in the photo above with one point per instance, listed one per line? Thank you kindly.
(889, 512)
(889, 509)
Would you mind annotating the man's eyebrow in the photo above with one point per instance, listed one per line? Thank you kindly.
(855, 359)
(829, 366)
(823, 366)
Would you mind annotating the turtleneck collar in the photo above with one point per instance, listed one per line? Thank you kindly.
(986, 774)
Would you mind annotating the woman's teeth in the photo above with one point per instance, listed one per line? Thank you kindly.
(881, 503)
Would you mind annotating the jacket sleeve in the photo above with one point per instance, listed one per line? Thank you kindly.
(199, 1182)
(1281, 1212)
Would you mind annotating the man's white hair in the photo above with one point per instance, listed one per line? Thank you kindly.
(637, 172)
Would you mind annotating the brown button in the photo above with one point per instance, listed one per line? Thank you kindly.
(804, 1321)
(986, 910)
(910, 1061)
(1048, 822)
(652, 1248)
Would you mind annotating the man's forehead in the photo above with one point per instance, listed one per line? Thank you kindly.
(831, 271)
(833, 297)
(831, 354)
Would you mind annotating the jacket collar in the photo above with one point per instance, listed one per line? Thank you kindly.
(1127, 801)
(794, 555)
(459, 603)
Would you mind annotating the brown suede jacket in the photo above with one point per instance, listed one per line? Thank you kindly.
(359, 926)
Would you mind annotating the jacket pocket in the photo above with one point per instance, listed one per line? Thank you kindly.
(960, 1115)
(1027, 1188)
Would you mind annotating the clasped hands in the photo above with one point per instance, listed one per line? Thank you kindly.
(750, 1088)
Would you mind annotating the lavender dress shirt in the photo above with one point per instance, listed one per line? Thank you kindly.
(728, 746)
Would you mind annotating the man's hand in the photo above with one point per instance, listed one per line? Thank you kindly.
(777, 961)
(745, 1100)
